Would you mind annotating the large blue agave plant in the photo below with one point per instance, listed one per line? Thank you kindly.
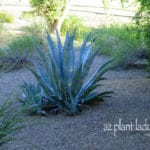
(64, 78)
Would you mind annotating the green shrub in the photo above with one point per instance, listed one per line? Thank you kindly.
(119, 42)
(36, 29)
(6, 17)
(72, 22)
(143, 20)
(10, 122)
(24, 44)
(28, 14)
(64, 81)
(18, 51)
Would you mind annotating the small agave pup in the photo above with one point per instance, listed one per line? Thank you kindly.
(32, 97)
(62, 77)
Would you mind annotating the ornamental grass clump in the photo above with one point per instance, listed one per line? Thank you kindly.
(11, 122)
(63, 77)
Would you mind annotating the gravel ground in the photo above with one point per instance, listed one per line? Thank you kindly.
(129, 103)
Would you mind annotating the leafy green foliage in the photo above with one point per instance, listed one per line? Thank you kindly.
(10, 122)
(22, 45)
(36, 29)
(6, 17)
(17, 51)
(28, 15)
(72, 22)
(52, 10)
(119, 42)
(143, 20)
(63, 77)
(145, 5)
(1, 52)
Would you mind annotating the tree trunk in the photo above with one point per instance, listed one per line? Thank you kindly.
(64, 15)
(106, 9)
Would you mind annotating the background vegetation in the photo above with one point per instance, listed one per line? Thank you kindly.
(122, 42)
(52, 10)
(143, 20)
(72, 22)
(17, 52)
(10, 122)
(6, 17)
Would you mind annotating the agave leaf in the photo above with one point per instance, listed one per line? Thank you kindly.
(53, 51)
(87, 64)
(90, 97)
(33, 100)
(96, 96)
(43, 58)
(60, 54)
(69, 59)
(85, 68)
(80, 73)
(77, 80)
(47, 88)
(83, 49)
(55, 61)
(86, 54)
(65, 48)
(42, 74)
(106, 94)
(54, 76)
(71, 65)
(72, 55)
(94, 79)
(91, 89)
(97, 76)
(102, 70)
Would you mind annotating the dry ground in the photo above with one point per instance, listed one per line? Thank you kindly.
(130, 101)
